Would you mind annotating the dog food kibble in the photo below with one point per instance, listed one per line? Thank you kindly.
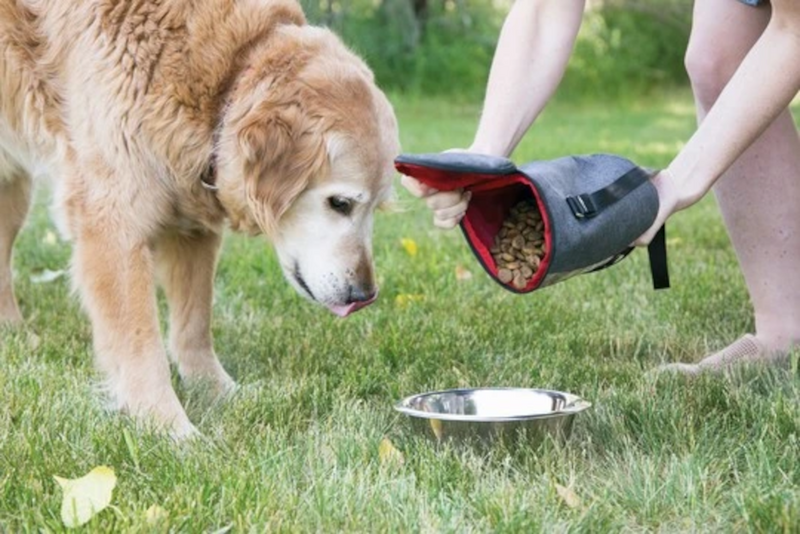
(519, 245)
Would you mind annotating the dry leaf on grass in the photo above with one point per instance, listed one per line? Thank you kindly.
(568, 497)
(87, 496)
(410, 245)
(436, 427)
(46, 275)
(388, 453)
(155, 515)
(34, 341)
(404, 299)
(50, 238)
(462, 274)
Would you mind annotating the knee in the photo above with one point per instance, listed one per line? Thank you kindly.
(709, 69)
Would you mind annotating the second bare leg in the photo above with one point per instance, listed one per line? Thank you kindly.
(760, 193)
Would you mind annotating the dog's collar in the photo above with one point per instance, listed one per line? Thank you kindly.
(208, 179)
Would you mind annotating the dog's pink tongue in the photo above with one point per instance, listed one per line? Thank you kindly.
(344, 311)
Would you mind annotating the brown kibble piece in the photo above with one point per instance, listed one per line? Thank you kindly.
(518, 246)
(520, 282)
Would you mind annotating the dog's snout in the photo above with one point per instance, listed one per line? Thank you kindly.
(360, 293)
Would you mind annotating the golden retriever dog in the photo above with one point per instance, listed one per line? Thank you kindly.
(162, 121)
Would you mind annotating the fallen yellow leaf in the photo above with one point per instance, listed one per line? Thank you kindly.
(50, 238)
(155, 515)
(436, 426)
(462, 274)
(569, 497)
(46, 276)
(388, 454)
(410, 245)
(404, 299)
(33, 341)
(86, 496)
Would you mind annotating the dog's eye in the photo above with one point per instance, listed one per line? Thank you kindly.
(341, 205)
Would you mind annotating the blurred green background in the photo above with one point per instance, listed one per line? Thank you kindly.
(444, 47)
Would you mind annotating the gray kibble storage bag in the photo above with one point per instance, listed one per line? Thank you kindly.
(591, 208)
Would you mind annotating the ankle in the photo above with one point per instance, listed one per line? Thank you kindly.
(777, 342)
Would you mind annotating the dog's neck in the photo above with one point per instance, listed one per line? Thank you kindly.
(208, 179)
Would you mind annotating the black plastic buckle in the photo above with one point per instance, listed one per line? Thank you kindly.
(582, 206)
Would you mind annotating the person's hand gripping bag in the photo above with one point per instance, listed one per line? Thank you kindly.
(538, 224)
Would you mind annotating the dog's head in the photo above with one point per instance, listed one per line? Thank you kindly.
(305, 157)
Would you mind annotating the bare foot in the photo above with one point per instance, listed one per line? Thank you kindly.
(747, 350)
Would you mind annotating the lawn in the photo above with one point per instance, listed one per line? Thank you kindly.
(297, 447)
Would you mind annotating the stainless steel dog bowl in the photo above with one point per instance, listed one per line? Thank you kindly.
(489, 414)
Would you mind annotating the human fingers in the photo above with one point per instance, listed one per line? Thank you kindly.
(416, 188)
(456, 211)
(444, 199)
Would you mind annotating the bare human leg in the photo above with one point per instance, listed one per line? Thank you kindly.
(758, 195)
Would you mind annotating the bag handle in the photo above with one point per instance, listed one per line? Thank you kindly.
(657, 253)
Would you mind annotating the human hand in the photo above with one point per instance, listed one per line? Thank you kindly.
(448, 207)
(669, 201)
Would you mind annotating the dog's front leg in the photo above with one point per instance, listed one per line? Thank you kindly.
(114, 269)
(15, 196)
(186, 269)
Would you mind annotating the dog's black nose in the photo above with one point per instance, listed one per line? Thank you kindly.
(360, 294)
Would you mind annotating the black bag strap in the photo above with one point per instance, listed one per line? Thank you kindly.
(657, 251)
(587, 205)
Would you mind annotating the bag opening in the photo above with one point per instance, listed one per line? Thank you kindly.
(490, 206)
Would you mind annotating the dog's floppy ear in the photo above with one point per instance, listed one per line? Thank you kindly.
(282, 149)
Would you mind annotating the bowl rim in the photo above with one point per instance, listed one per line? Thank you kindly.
(574, 405)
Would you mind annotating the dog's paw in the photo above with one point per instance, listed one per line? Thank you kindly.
(183, 431)
(211, 376)
(156, 408)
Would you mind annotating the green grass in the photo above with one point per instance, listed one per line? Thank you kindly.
(296, 449)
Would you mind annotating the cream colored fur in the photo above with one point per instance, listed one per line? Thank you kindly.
(126, 104)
